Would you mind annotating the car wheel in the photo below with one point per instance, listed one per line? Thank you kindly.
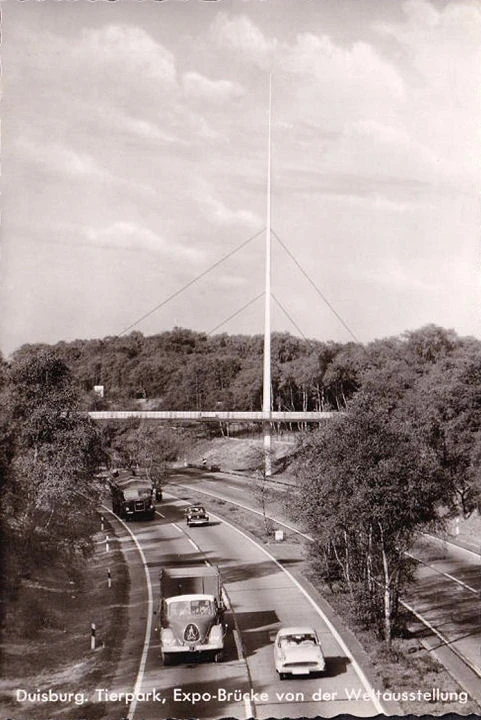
(218, 656)
(166, 659)
(282, 676)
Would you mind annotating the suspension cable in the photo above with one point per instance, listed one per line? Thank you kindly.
(290, 319)
(319, 292)
(237, 312)
(191, 282)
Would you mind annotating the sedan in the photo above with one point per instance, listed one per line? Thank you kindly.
(196, 515)
(297, 651)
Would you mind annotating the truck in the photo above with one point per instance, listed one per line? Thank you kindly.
(190, 613)
(132, 497)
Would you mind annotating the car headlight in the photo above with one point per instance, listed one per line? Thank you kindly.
(215, 634)
(168, 637)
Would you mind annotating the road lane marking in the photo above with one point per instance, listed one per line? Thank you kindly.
(441, 572)
(444, 641)
(357, 669)
(249, 707)
(471, 665)
(454, 545)
(311, 539)
(246, 507)
(148, 629)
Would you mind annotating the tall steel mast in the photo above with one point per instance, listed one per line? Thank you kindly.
(266, 398)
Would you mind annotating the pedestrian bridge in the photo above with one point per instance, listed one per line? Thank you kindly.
(206, 415)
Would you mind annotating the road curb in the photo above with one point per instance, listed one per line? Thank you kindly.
(132, 645)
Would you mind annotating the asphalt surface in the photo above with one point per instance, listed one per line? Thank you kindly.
(448, 596)
(452, 608)
(263, 598)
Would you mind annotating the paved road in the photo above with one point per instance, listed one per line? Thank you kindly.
(448, 596)
(452, 608)
(263, 598)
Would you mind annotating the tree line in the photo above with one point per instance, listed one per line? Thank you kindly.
(187, 370)
(405, 456)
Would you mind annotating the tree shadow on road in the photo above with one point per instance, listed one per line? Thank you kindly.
(336, 665)
(257, 629)
(247, 571)
(174, 560)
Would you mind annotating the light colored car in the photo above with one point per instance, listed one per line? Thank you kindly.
(297, 651)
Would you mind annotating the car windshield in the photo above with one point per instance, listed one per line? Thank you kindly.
(189, 608)
(199, 510)
(298, 639)
(138, 492)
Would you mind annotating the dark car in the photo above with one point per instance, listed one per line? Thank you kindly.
(196, 515)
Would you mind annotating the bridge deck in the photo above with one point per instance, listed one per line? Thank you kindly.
(225, 416)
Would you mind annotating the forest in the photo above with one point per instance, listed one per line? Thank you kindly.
(186, 370)
(404, 452)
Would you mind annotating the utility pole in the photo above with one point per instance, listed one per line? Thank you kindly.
(266, 398)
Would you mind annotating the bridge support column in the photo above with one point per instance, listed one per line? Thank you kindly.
(267, 450)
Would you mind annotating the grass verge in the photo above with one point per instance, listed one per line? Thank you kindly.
(46, 637)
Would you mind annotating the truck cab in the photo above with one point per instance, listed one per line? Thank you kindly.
(191, 613)
(132, 497)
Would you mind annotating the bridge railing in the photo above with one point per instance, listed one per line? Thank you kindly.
(206, 415)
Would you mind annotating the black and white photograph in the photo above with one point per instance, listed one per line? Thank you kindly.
(240, 359)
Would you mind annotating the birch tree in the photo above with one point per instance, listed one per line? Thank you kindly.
(366, 486)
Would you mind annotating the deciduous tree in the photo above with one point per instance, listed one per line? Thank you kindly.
(366, 486)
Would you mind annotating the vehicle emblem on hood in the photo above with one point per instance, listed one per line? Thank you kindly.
(191, 633)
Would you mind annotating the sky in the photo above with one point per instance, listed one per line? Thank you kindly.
(134, 158)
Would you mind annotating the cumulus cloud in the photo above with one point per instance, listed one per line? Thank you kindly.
(198, 86)
(55, 159)
(241, 34)
(358, 68)
(131, 236)
(384, 151)
(129, 49)
(60, 159)
(139, 127)
(219, 214)
(441, 47)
